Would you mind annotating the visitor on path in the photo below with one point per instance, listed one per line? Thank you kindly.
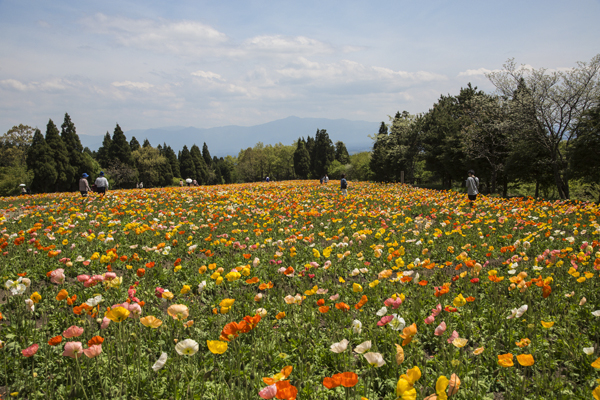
(23, 189)
(181, 183)
(84, 186)
(344, 185)
(141, 185)
(267, 179)
(326, 179)
(101, 184)
(472, 186)
(321, 180)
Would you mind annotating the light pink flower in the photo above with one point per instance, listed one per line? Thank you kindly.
(430, 320)
(452, 337)
(57, 276)
(98, 278)
(435, 311)
(73, 331)
(73, 349)
(327, 264)
(441, 328)
(31, 350)
(110, 275)
(334, 297)
(105, 323)
(269, 392)
(83, 278)
(93, 351)
(385, 320)
(394, 303)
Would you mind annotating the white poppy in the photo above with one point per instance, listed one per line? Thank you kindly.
(201, 286)
(382, 311)
(160, 362)
(596, 313)
(588, 350)
(364, 346)
(397, 323)
(356, 326)
(374, 359)
(94, 301)
(187, 347)
(339, 346)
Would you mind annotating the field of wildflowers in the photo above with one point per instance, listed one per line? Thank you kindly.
(290, 290)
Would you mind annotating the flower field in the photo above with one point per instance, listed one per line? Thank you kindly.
(290, 290)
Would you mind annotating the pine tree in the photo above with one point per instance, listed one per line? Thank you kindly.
(323, 153)
(186, 164)
(146, 143)
(206, 155)
(119, 148)
(172, 157)
(201, 168)
(341, 153)
(134, 144)
(301, 160)
(102, 156)
(41, 163)
(75, 152)
(60, 156)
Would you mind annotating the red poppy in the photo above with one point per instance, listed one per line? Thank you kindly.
(55, 340)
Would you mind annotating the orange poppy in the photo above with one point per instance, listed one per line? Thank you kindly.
(470, 299)
(253, 280)
(63, 294)
(230, 331)
(252, 321)
(321, 302)
(342, 306)
(264, 286)
(22, 274)
(77, 310)
(247, 256)
(505, 360)
(280, 315)
(348, 379)
(55, 340)
(95, 340)
(71, 300)
(362, 302)
(333, 382)
(150, 264)
(423, 283)
(286, 391)
(140, 272)
(323, 309)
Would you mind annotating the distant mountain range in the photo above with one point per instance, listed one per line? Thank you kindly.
(229, 140)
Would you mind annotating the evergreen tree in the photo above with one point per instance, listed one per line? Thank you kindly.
(323, 153)
(301, 160)
(41, 163)
(102, 155)
(146, 143)
(75, 152)
(585, 151)
(170, 155)
(60, 155)
(341, 153)
(206, 155)
(201, 169)
(377, 164)
(134, 144)
(119, 148)
(186, 164)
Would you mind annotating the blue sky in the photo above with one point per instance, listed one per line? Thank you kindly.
(149, 64)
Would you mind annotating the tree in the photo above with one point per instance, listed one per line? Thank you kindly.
(153, 168)
(14, 145)
(121, 175)
(377, 161)
(186, 164)
(172, 157)
(206, 155)
(556, 100)
(202, 172)
(119, 148)
(341, 153)
(102, 156)
(585, 151)
(75, 152)
(146, 143)
(60, 157)
(323, 153)
(40, 161)
(134, 144)
(301, 160)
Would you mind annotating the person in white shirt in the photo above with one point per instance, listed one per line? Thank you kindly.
(101, 183)
(472, 186)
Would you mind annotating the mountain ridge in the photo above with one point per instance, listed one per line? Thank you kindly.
(354, 134)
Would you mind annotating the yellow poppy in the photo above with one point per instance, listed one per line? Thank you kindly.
(596, 364)
(356, 288)
(505, 360)
(459, 301)
(217, 346)
(227, 302)
(117, 314)
(526, 360)
(547, 324)
(151, 321)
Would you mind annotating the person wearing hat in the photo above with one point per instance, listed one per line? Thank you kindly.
(101, 183)
(84, 186)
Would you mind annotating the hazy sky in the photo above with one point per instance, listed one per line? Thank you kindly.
(148, 64)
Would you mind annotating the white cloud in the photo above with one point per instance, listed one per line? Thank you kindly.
(476, 72)
(207, 75)
(52, 85)
(133, 85)
(281, 44)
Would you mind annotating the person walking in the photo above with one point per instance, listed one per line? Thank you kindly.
(344, 185)
(84, 186)
(472, 186)
(326, 179)
(101, 184)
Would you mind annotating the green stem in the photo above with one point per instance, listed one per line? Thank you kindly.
(81, 378)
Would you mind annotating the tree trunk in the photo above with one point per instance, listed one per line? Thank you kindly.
(505, 187)
(494, 173)
(537, 188)
(562, 187)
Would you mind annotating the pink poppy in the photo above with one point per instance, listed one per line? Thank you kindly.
(31, 350)
(385, 320)
(98, 278)
(394, 303)
(435, 311)
(83, 278)
(269, 392)
(57, 276)
(334, 297)
(93, 351)
(110, 275)
(452, 337)
(73, 349)
(441, 328)
(86, 263)
(105, 323)
(73, 331)
(430, 320)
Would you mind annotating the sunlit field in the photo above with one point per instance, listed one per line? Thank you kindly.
(291, 290)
